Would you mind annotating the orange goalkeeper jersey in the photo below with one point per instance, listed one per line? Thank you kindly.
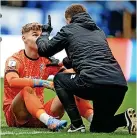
(26, 67)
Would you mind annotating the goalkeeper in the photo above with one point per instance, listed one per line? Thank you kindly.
(24, 83)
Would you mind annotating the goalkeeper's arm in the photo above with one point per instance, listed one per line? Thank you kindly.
(16, 82)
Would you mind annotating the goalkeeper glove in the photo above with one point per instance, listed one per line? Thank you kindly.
(43, 83)
(48, 85)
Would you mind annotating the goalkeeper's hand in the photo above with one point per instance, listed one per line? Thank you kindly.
(43, 83)
(48, 85)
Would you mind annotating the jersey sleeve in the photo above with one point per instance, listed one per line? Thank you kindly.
(13, 65)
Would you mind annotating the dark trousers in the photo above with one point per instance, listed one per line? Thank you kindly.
(106, 101)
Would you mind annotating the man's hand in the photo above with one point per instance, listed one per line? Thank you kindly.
(67, 63)
(47, 28)
(54, 62)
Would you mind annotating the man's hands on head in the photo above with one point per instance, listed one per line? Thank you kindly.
(42, 40)
(47, 27)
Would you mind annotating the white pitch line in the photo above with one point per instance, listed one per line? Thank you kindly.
(24, 133)
(36, 132)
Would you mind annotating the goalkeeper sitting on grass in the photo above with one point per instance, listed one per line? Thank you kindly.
(24, 83)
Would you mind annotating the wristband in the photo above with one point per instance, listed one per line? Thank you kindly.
(38, 83)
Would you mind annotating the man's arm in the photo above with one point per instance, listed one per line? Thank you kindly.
(48, 48)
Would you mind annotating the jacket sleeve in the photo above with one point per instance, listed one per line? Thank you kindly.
(47, 48)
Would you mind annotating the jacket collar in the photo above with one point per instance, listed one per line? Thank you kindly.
(84, 20)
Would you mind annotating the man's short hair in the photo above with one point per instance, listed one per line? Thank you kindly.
(74, 9)
(31, 26)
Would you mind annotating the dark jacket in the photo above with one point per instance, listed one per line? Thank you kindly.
(86, 46)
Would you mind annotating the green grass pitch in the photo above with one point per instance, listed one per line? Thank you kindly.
(6, 132)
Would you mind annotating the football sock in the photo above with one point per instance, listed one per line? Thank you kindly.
(85, 108)
(90, 117)
(42, 116)
(34, 105)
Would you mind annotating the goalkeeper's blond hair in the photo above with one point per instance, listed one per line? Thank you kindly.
(31, 26)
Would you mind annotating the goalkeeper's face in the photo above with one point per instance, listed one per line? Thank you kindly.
(30, 38)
